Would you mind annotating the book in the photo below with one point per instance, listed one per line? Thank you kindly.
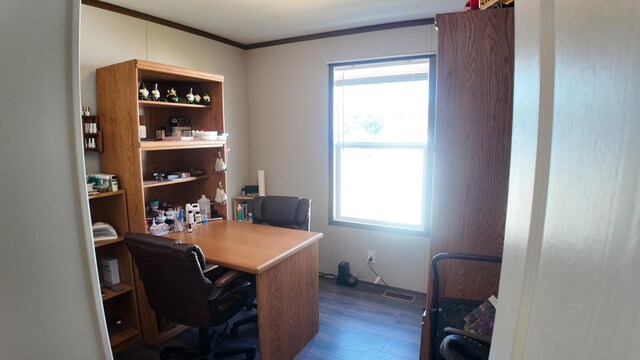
(481, 319)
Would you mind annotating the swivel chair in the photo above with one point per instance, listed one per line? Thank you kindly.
(180, 287)
(447, 315)
(282, 211)
(464, 345)
(289, 212)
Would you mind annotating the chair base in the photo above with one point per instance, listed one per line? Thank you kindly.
(208, 339)
(171, 352)
(233, 332)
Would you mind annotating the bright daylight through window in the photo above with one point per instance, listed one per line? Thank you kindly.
(381, 113)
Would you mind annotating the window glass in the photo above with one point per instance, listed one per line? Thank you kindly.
(380, 115)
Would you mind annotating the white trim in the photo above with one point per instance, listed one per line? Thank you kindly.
(88, 248)
(529, 181)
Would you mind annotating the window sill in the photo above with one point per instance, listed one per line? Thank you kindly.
(380, 228)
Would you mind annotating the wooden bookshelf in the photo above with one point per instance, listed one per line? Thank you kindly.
(135, 161)
(119, 306)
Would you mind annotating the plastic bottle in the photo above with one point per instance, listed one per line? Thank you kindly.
(239, 212)
(195, 208)
(190, 218)
(205, 208)
(198, 217)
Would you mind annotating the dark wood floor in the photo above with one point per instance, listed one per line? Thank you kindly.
(355, 323)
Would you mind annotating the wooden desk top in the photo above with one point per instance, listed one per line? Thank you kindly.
(244, 246)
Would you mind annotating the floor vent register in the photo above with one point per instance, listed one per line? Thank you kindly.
(396, 296)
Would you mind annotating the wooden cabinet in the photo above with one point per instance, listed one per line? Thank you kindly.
(120, 305)
(472, 150)
(135, 161)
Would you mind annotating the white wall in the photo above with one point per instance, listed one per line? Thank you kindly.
(49, 296)
(108, 38)
(288, 126)
(569, 287)
(287, 94)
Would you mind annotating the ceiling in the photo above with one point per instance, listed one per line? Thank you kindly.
(255, 21)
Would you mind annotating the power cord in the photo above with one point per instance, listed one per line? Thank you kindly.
(327, 276)
(330, 276)
(385, 283)
(358, 273)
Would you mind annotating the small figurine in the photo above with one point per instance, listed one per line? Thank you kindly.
(221, 196)
(206, 99)
(197, 98)
(220, 165)
(155, 93)
(143, 93)
(172, 96)
(190, 97)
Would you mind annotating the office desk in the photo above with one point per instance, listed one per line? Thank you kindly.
(285, 263)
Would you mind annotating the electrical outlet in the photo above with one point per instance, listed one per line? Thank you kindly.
(371, 257)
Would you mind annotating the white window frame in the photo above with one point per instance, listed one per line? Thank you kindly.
(335, 218)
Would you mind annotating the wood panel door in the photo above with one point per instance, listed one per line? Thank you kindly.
(474, 94)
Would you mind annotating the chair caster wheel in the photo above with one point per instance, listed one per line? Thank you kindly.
(251, 355)
(233, 332)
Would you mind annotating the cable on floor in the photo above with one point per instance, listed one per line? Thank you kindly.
(387, 285)
(327, 276)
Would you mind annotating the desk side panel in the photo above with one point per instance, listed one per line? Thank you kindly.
(288, 304)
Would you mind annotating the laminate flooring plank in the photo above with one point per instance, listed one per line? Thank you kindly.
(355, 323)
(377, 323)
(405, 349)
(332, 346)
(347, 334)
(308, 354)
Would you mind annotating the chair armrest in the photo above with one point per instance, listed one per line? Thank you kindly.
(214, 293)
(225, 279)
(456, 346)
(470, 335)
(209, 267)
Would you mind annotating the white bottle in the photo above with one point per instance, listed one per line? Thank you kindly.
(195, 208)
(191, 219)
(187, 211)
(205, 208)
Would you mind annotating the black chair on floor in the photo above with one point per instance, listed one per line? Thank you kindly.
(447, 316)
(182, 288)
(289, 212)
(464, 345)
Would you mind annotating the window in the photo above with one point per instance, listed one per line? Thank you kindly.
(381, 119)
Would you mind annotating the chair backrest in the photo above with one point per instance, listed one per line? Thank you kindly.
(282, 211)
(171, 273)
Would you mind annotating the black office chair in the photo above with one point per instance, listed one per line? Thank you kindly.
(180, 287)
(282, 211)
(464, 345)
(289, 212)
(447, 316)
